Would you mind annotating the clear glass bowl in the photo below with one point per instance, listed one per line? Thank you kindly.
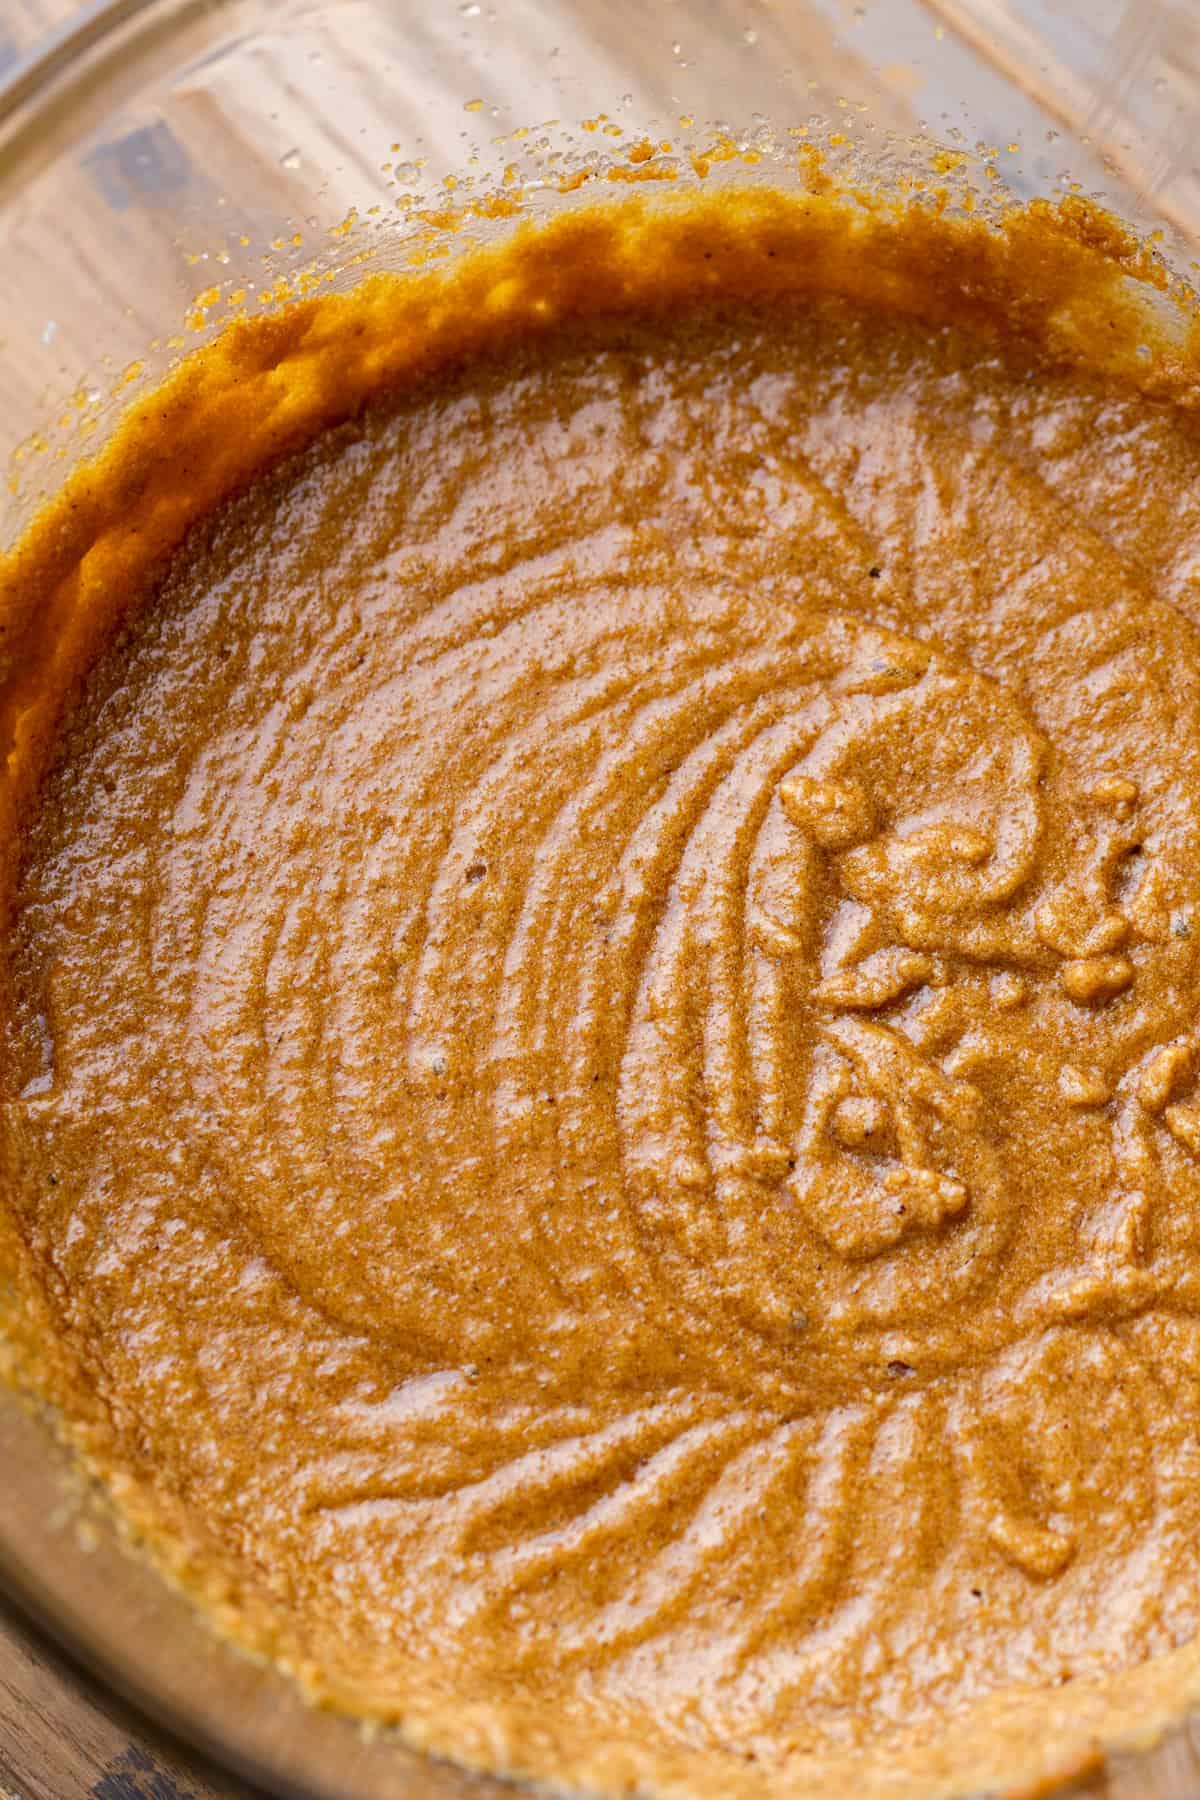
(160, 157)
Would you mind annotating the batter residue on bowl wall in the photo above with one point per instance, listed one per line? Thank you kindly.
(602, 1081)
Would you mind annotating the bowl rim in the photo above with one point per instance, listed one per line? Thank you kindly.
(61, 47)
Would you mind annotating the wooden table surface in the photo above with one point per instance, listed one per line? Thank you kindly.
(63, 1737)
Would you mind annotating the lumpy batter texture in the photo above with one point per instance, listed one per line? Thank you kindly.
(603, 997)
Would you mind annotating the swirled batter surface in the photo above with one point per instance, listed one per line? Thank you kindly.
(603, 991)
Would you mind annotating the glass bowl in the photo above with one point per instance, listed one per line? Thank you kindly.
(164, 161)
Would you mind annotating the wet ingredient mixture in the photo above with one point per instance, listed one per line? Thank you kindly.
(603, 1083)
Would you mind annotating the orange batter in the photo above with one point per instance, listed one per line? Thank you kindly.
(602, 1129)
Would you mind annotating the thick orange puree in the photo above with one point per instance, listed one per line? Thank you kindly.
(602, 1128)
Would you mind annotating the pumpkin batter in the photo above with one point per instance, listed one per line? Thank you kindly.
(602, 1130)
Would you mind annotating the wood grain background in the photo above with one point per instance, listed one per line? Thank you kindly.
(63, 1737)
